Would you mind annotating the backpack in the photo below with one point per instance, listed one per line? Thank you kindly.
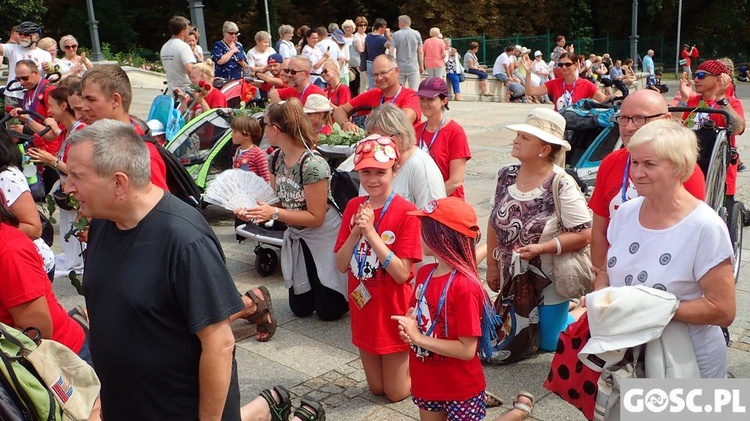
(344, 184)
(179, 180)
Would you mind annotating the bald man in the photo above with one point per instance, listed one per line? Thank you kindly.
(612, 186)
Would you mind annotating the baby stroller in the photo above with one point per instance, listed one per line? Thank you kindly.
(592, 134)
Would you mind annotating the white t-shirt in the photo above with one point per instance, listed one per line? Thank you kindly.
(175, 54)
(500, 63)
(15, 53)
(333, 53)
(674, 260)
(314, 55)
(256, 59)
(13, 184)
(287, 50)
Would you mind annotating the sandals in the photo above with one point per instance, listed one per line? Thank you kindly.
(280, 411)
(491, 400)
(306, 415)
(264, 307)
(528, 409)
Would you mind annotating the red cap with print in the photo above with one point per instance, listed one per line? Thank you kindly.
(375, 151)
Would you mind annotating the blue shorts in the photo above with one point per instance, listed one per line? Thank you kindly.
(470, 410)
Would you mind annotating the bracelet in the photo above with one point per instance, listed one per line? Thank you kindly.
(557, 245)
(387, 261)
(57, 163)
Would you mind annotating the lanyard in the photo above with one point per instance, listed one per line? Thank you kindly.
(625, 176)
(393, 100)
(568, 96)
(434, 135)
(363, 256)
(30, 102)
(303, 91)
(443, 295)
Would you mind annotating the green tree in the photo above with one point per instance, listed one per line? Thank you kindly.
(13, 12)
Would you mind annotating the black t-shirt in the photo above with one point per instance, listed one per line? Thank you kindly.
(148, 290)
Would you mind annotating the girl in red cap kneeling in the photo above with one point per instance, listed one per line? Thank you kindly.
(377, 246)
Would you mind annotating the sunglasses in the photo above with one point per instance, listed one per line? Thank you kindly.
(324, 72)
(23, 78)
(362, 24)
(293, 72)
(70, 47)
(568, 64)
(234, 33)
(702, 75)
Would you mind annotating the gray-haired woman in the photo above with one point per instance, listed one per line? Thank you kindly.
(284, 45)
(228, 55)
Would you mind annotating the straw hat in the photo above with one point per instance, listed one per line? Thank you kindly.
(546, 124)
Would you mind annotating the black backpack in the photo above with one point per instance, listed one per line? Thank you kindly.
(344, 184)
(179, 180)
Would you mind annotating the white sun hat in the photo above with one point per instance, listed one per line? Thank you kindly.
(546, 124)
(317, 103)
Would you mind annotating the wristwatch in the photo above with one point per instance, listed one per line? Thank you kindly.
(275, 214)
(722, 102)
(57, 163)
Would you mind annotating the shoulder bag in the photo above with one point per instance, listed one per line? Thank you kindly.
(608, 396)
(572, 272)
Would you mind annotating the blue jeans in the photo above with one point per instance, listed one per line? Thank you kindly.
(370, 78)
(455, 82)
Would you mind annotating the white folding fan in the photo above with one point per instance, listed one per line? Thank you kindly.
(234, 189)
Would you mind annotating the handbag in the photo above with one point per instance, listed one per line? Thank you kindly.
(608, 397)
(459, 69)
(573, 276)
(48, 380)
(568, 377)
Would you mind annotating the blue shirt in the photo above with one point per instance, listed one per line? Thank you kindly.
(648, 65)
(615, 72)
(375, 45)
(231, 70)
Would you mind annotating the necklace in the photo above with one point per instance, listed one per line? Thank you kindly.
(534, 178)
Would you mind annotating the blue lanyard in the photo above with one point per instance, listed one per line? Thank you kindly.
(443, 295)
(361, 259)
(434, 135)
(393, 100)
(624, 188)
(568, 97)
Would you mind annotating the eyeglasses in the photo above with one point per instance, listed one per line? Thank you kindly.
(324, 72)
(70, 47)
(384, 73)
(23, 78)
(702, 75)
(293, 72)
(566, 64)
(362, 24)
(234, 33)
(638, 120)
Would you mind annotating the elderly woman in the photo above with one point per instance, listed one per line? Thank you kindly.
(359, 84)
(523, 210)
(284, 45)
(434, 54)
(228, 55)
(73, 64)
(471, 65)
(671, 241)
(257, 57)
(337, 91)
(50, 45)
(419, 180)
(192, 40)
(567, 90)
(300, 179)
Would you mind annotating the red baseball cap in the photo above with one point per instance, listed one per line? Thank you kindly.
(454, 213)
(375, 151)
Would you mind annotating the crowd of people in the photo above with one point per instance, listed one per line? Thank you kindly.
(401, 258)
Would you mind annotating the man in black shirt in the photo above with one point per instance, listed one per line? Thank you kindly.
(157, 289)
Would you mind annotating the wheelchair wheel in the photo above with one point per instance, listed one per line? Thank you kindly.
(266, 261)
(716, 175)
(736, 224)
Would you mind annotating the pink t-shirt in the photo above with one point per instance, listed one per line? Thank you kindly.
(434, 51)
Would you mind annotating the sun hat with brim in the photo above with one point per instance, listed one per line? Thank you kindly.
(452, 212)
(525, 50)
(432, 87)
(375, 151)
(537, 53)
(317, 103)
(546, 124)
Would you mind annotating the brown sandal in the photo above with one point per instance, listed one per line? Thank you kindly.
(264, 307)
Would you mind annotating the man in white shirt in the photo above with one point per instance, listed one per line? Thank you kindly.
(409, 53)
(177, 56)
(327, 44)
(26, 49)
(503, 70)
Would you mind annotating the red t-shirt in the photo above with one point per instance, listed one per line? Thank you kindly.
(406, 98)
(451, 143)
(311, 88)
(685, 54)
(736, 105)
(463, 310)
(326, 129)
(340, 96)
(254, 160)
(22, 280)
(580, 89)
(607, 196)
(372, 327)
(214, 99)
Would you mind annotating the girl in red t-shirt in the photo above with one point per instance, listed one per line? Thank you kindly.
(451, 318)
(377, 245)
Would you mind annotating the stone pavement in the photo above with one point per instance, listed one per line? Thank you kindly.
(317, 359)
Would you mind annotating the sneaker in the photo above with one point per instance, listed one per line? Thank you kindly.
(741, 167)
